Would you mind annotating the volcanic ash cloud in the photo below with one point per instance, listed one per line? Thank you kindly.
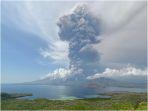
(81, 29)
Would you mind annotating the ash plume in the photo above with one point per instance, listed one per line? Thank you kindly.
(81, 30)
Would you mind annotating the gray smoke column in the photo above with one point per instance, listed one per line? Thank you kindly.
(81, 30)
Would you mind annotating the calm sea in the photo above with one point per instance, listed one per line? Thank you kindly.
(62, 92)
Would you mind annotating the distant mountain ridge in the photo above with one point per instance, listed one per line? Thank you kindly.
(100, 82)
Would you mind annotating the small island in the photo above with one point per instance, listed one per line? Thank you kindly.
(5, 96)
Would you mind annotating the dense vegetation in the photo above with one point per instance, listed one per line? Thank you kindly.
(122, 101)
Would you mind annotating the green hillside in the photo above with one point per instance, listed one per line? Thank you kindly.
(118, 101)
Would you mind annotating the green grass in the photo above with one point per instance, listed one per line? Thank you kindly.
(118, 101)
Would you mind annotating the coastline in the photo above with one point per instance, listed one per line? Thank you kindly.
(118, 101)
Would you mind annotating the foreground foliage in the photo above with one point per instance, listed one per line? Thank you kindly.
(122, 101)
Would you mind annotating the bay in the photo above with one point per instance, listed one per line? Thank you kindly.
(54, 92)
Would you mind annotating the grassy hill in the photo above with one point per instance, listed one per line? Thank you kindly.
(118, 101)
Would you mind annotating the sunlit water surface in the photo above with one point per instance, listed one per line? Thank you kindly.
(63, 92)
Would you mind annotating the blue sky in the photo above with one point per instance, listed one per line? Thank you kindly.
(31, 47)
(23, 40)
(20, 57)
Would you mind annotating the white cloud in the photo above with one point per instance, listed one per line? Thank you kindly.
(60, 73)
(58, 51)
(120, 73)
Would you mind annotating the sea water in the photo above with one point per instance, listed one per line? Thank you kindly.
(63, 92)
